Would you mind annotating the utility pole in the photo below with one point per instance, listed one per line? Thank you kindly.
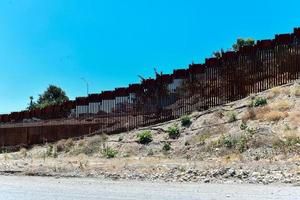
(87, 85)
(87, 93)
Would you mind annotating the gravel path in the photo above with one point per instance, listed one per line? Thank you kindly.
(43, 188)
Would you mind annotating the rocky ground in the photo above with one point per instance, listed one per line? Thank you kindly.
(254, 140)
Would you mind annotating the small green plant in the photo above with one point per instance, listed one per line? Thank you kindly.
(120, 139)
(250, 131)
(150, 152)
(241, 144)
(167, 147)
(109, 152)
(259, 101)
(243, 126)
(145, 137)
(186, 120)
(226, 141)
(203, 137)
(232, 116)
(49, 150)
(173, 132)
(287, 127)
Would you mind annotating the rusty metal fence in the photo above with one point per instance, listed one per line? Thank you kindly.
(233, 76)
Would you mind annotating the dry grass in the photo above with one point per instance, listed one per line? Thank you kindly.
(255, 113)
(265, 113)
(286, 91)
(288, 141)
(291, 135)
(296, 91)
(65, 145)
(274, 92)
(274, 116)
(89, 146)
(83, 161)
(23, 152)
(294, 117)
(282, 105)
(232, 157)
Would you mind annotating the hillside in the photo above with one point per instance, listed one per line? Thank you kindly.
(253, 140)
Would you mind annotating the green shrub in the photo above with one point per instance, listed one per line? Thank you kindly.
(49, 150)
(109, 152)
(241, 144)
(185, 120)
(243, 126)
(232, 116)
(173, 132)
(145, 137)
(259, 101)
(227, 141)
(167, 146)
(250, 131)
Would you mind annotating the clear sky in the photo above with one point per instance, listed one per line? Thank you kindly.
(110, 42)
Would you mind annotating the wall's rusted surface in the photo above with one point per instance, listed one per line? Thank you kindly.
(231, 77)
(25, 136)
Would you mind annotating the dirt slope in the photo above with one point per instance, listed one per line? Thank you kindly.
(254, 140)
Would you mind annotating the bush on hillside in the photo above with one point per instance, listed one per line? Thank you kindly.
(186, 120)
(145, 137)
(173, 132)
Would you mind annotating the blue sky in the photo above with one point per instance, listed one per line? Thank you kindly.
(109, 43)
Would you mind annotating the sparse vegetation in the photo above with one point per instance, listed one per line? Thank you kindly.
(243, 126)
(187, 143)
(259, 101)
(173, 132)
(186, 120)
(109, 152)
(289, 142)
(145, 137)
(274, 92)
(203, 137)
(236, 142)
(150, 152)
(296, 91)
(282, 105)
(49, 150)
(90, 146)
(65, 145)
(23, 152)
(166, 147)
(272, 137)
(226, 141)
(120, 139)
(54, 152)
(232, 116)
(274, 116)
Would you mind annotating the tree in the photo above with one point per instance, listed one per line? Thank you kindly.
(218, 54)
(240, 42)
(32, 104)
(52, 96)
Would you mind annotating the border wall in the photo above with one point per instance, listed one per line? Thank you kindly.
(233, 76)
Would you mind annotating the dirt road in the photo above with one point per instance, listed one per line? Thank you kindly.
(42, 188)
